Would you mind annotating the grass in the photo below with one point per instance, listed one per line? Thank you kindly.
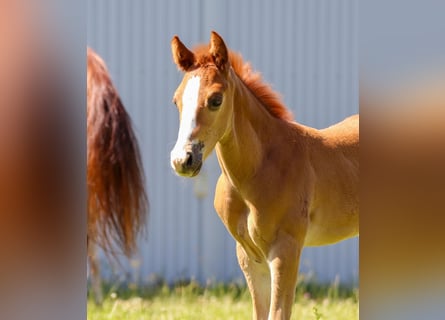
(188, 300)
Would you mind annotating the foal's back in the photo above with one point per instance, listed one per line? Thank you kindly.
(344, 134)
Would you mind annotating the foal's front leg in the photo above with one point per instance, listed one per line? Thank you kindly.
(257, 276)
(283, 261)
(232, 210)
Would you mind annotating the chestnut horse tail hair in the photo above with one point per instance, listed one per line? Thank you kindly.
(117, 199)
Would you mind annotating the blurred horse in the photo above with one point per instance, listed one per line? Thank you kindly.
(117, 200)
(283, 185)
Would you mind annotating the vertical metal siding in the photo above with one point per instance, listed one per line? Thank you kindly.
(307, 50)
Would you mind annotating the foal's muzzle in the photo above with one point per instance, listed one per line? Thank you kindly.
(187, 163)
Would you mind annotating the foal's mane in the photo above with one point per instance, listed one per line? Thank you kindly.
(253, 80)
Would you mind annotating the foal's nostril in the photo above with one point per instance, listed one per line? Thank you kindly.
(189, 160)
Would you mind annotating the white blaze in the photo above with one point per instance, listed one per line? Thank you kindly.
(188, 117)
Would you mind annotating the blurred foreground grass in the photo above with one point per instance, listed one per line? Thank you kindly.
(188, 300)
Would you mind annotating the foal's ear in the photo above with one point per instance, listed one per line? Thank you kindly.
(218, 50)
(182, 56)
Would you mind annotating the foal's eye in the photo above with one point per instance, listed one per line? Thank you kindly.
(215, 101)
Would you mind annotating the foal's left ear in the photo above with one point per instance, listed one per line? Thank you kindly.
(218, 50)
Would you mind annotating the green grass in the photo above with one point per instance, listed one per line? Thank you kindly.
(225, 302)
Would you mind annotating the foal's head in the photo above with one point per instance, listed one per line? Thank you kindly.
(203, 102)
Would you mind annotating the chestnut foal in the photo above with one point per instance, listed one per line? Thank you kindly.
(283, 185)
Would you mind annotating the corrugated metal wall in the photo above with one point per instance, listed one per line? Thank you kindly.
(306, 49)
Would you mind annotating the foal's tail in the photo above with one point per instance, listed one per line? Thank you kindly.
(117, 200)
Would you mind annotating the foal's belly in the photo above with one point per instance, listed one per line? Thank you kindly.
(331, 226)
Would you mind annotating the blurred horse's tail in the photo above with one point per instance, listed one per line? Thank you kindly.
(117, 200)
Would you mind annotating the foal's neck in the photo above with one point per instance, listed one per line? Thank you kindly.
(253, 130)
